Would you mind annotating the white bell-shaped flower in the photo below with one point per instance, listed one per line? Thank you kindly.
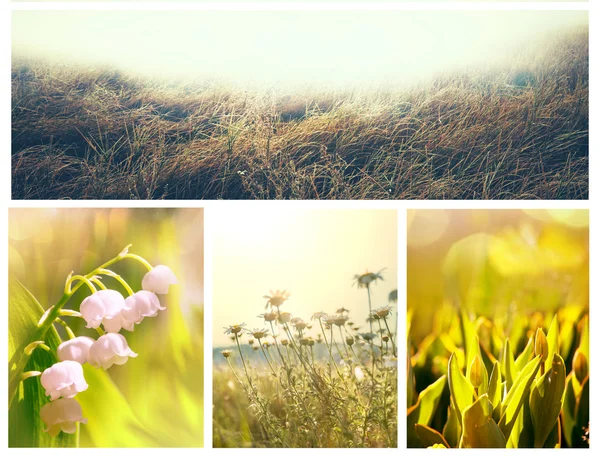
(64, 379)
(110, 349)
(159, 279)
(139, 305)
(101, 308)
(62, 414)
(76, 349)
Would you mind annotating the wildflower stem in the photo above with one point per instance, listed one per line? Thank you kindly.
(266, 358)
(370, 311)
(330, 352)
(391, 337)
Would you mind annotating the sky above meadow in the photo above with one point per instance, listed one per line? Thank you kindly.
(285, 48)
(312, 253)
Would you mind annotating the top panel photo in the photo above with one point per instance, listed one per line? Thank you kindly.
(352, 105)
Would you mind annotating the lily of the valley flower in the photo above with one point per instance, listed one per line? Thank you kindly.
(159, 279)
(64, 379)
(140, 305)
(110, 349)
(101, 308)
(62, 415)
(76, 349)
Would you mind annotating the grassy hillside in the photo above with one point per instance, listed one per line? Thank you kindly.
(516, 131)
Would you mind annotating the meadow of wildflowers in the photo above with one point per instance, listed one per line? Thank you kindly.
(323, 381)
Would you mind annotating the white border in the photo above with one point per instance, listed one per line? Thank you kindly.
(209, 205)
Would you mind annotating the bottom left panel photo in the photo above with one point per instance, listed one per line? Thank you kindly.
(105, 331)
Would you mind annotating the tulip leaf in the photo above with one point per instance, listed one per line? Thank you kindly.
(461, 391)
(517, 395)
(423, 411)
(509, 370)
(582, 412)
(568, 410)
(545, 400)
(479, 429)
(553, 346)
(495, 390)
(105, 428)
(411, 394)
(521, 435)
(25, 426)
(525, 356)
(584, 342)
(554, 439)
(429, 436)
(429, 400)
(452, 428)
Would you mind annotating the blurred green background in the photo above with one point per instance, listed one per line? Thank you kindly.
(156, 399)
(490, 262)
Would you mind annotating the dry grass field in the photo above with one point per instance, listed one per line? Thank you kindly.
(516, 131)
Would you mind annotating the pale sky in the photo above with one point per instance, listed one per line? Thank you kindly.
(334, 47)
(312, 253)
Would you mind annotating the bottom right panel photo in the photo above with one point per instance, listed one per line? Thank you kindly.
(498, 328)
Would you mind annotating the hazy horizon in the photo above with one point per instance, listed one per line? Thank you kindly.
(314, 254)
(285, 48)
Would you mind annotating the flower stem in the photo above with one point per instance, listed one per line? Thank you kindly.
(50, 316)
(114, 275)
(391, 337)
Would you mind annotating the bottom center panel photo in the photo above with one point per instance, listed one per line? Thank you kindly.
(305, 328)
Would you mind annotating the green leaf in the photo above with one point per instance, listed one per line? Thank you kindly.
(429, 400)
(525, 356)
(517, 395)
(521, 435)
(545, 400)
(100, 404)
(584, 342)
(25, 426)
(582, 412)
(429, 436)
(553, 347)
(461, 391)
(509, 370)
(452, 428)
(479, 430)
(495, 390)
(411, 393)
(554, 438)
(568, 410)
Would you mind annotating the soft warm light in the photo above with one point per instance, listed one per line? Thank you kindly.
(279, 48)
(312, 253)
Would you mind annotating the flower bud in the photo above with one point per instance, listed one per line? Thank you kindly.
(62, 414)
(140, 305)
(476, 372)
(284, 318)
(226, 353)
(580, 366)
(159, 279)
(76, 349)
(541, 344)
(101, 308)
(349, 341)
(63, 379)
(110, 349)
